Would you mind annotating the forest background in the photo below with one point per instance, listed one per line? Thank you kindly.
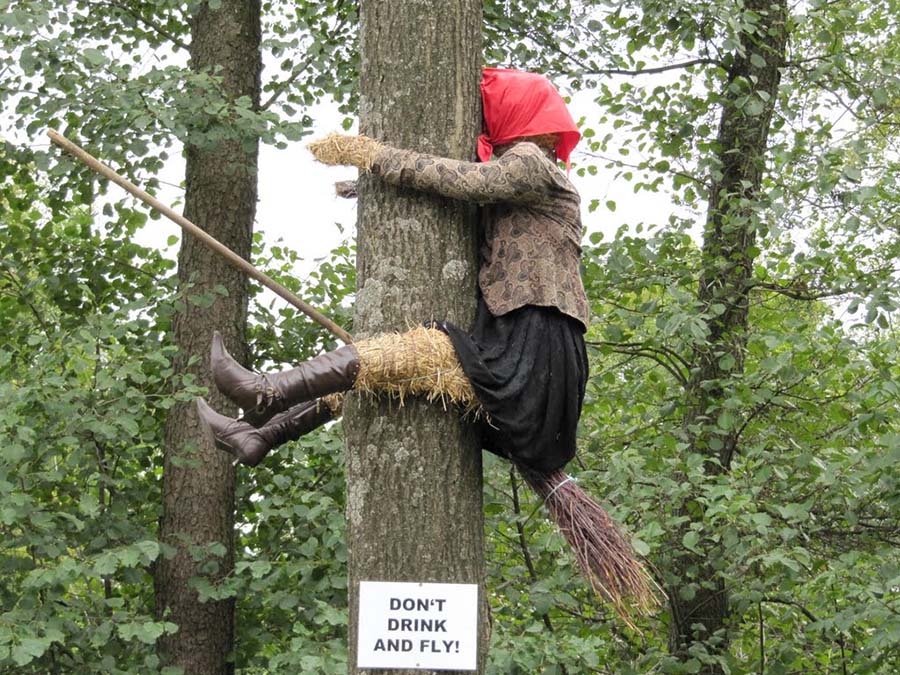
(743, 415)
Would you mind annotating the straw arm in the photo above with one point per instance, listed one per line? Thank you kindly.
(91, 162)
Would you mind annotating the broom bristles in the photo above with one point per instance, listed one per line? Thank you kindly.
(603, 552)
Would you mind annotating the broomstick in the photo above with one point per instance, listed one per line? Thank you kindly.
(237, 261)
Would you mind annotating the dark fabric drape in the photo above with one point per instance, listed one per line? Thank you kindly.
(529, 369)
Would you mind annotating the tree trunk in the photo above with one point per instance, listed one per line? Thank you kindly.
(198, 480)
(414, 472)
(699, 600)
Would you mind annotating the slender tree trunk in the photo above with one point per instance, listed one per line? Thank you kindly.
(198, 480)
(699, 600)
(414, 472)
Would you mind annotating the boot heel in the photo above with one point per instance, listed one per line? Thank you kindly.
(237, 438)
(249, 445)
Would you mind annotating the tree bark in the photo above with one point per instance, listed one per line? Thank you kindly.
(699, 599)
(198, 480)
(414, 504)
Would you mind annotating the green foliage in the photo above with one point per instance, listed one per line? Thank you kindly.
(114, 77)
(290, 576)
(805, 519)
(292, 581)
(86, 374)
(282, 334)
(85, 377)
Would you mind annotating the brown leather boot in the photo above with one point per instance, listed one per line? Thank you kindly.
(262, 396)
(249, 445)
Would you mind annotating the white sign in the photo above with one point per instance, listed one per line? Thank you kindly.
(410, 625)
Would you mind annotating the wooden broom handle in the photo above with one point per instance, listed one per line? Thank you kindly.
(90, 161)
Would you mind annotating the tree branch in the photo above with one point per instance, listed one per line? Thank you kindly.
(658, 69)
(149, 23)
(279, 88)
(638, 167)
(622, 71)
(800, 291)
(523, 544)
(21, 296)
(762, 640)
(663, 357)
(791, 603)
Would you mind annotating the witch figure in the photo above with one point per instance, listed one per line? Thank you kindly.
(522, 367)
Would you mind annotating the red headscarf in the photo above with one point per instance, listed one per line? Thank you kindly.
(518, 104)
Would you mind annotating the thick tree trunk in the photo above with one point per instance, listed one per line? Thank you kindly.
(699, 600)
(414, 472)
(198, 480)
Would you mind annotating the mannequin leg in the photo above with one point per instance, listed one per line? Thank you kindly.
(249, 444)
(421, 361)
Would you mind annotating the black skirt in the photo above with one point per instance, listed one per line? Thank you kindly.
(529, 369)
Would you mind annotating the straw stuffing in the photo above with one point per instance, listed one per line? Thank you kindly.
(341, 149)
(421, 362)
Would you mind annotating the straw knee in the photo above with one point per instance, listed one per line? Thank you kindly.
(421, 361)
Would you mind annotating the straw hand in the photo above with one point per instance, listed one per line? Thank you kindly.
(341, 149)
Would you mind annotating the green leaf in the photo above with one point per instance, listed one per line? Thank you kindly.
(106, 564)
(260, 568)
(757, 60)
(852, 173)
(29, 649)
(94, 56)
(88, 504)
(753, 107)
(690, 541)
(726, 420)
(692, 666)
(793, 511)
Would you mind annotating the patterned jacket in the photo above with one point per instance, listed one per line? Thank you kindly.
(531, 249)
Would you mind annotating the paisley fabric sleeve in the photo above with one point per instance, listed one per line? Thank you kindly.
(522, 175)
